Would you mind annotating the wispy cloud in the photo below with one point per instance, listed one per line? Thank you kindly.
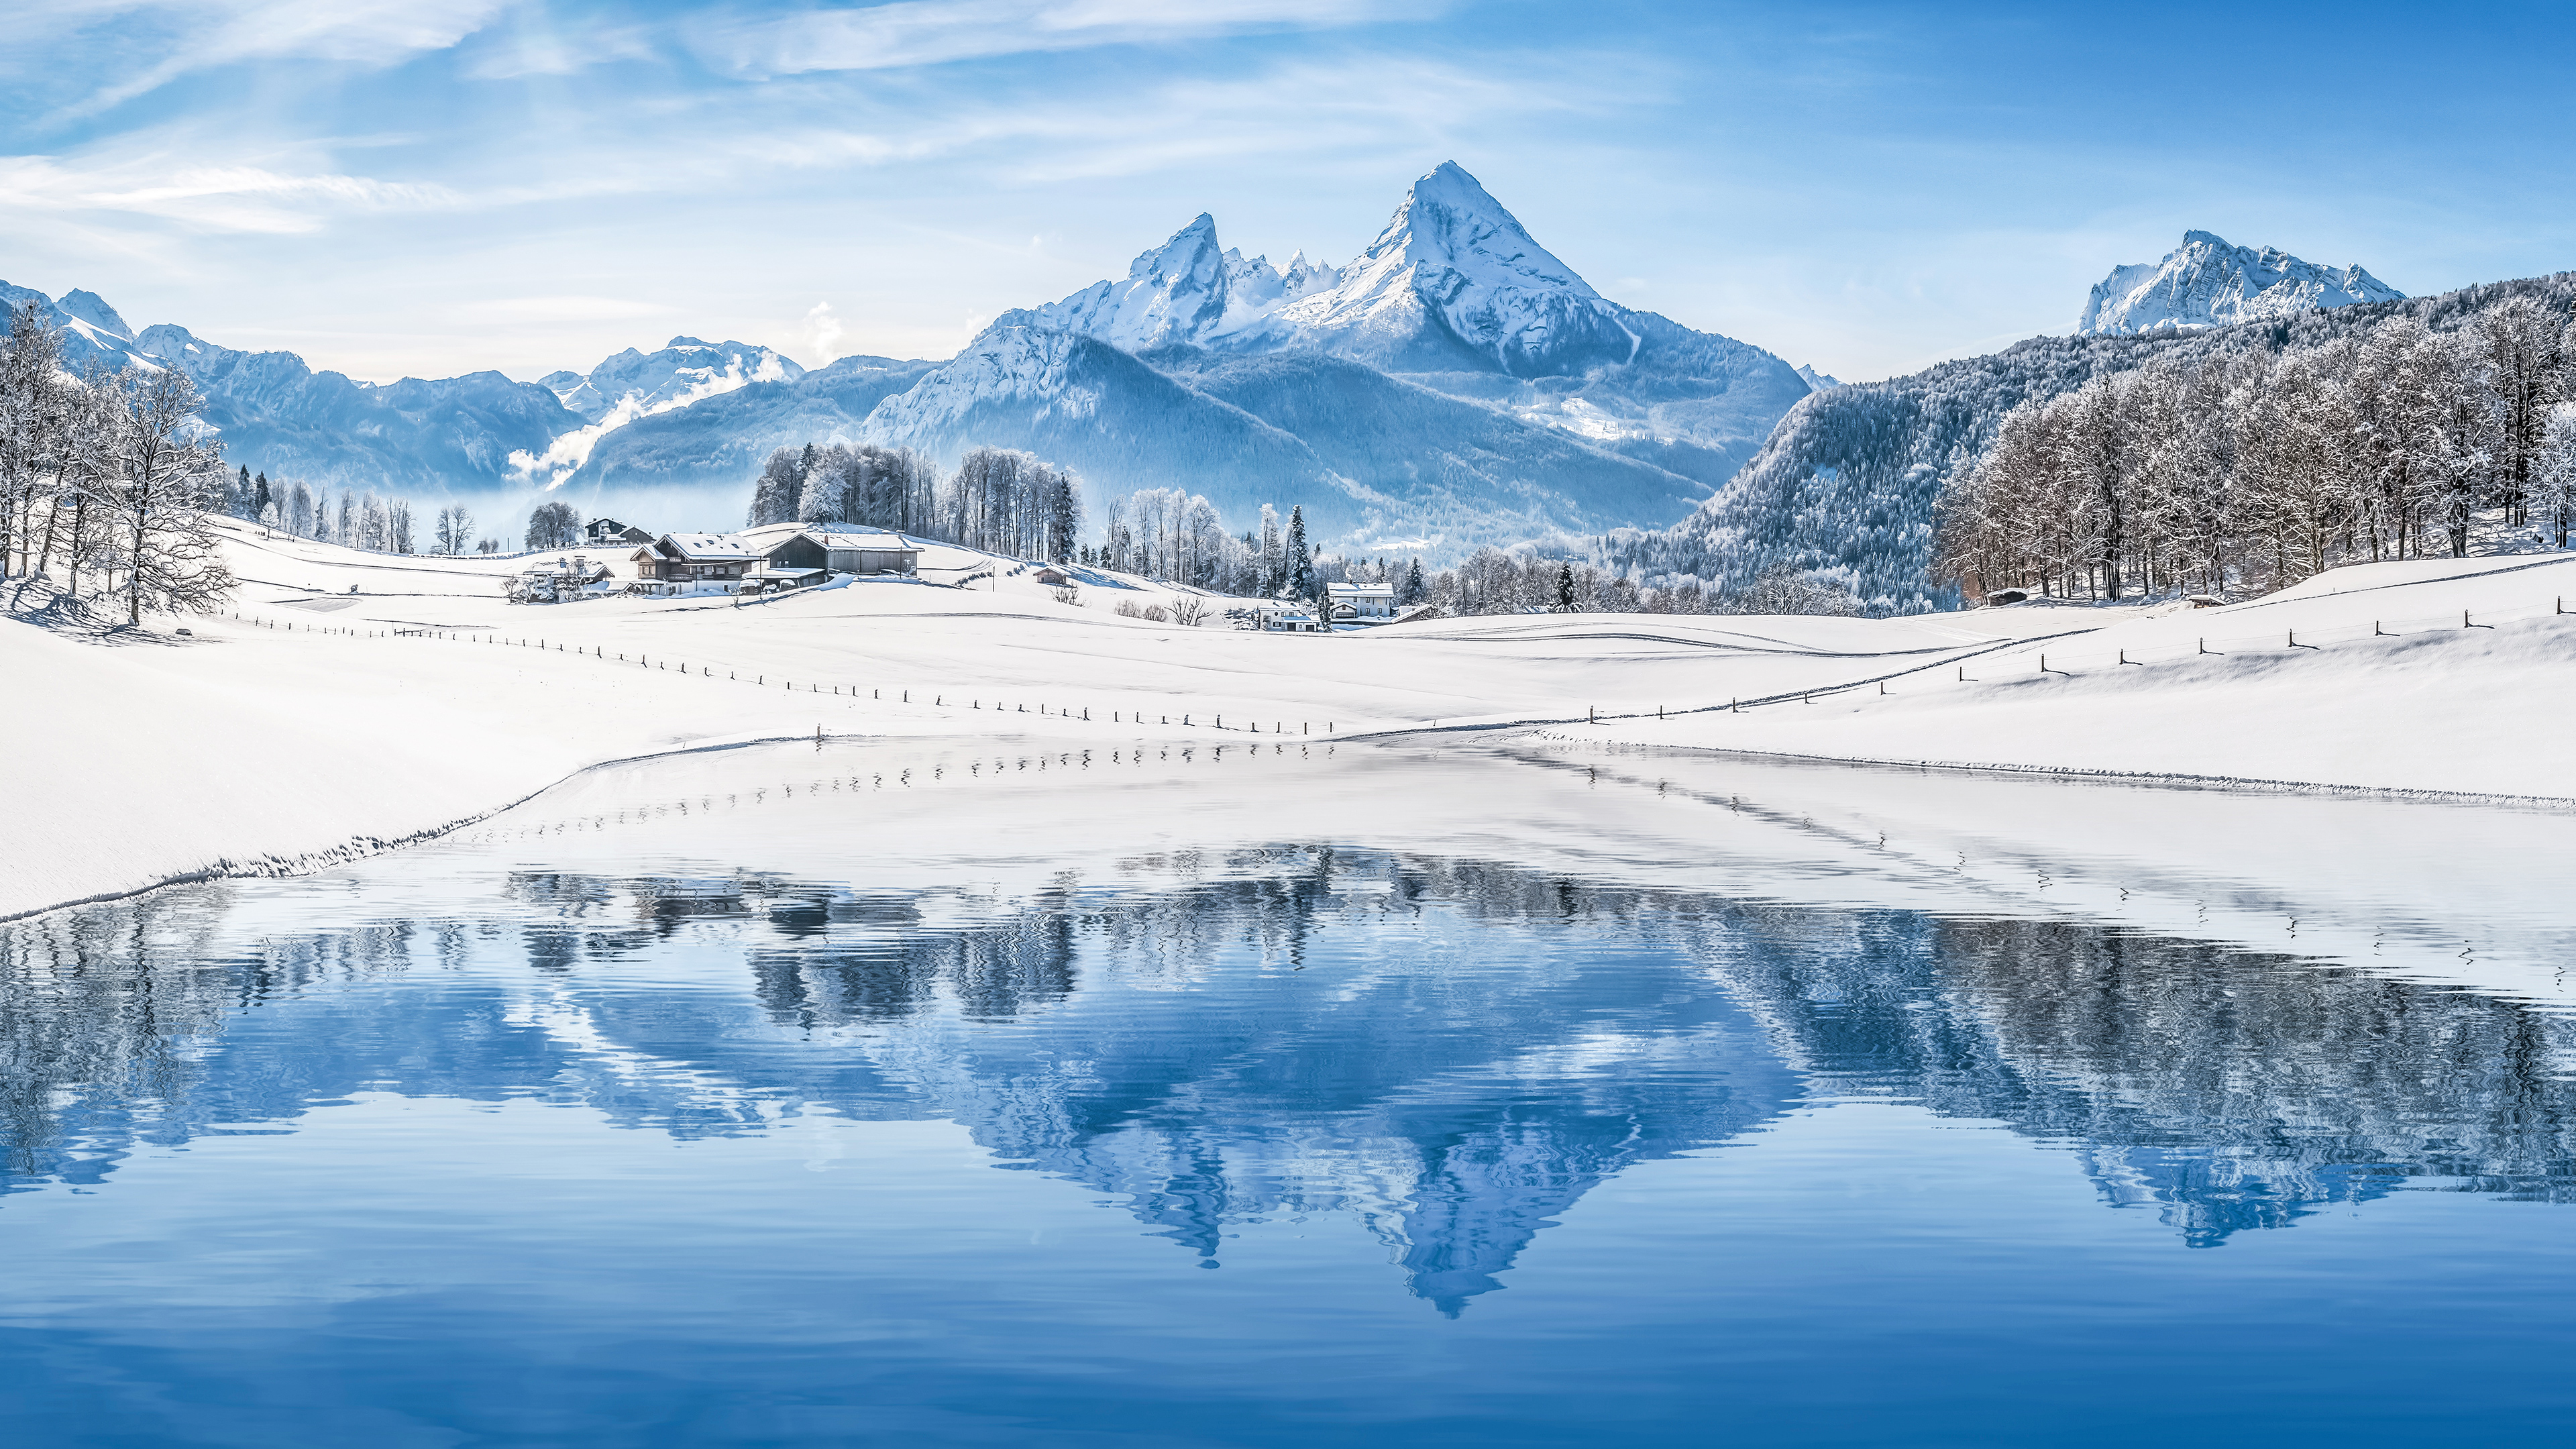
(536, 45)
(929, 32)
(204, 34)
(218, 197)
(1365, 102)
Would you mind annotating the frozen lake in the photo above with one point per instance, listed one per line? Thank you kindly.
(1298, 1095)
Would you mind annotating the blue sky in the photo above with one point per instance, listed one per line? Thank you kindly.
(428, 187)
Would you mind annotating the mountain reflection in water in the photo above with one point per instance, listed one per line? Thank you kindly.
(1452, 1052)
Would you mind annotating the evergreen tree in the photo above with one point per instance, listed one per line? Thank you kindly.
(1298, 579)
(1414, 591)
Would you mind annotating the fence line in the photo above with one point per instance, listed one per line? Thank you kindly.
(876, 693)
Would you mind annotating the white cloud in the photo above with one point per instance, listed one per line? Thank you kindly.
(223, 198)
(823, 332)
(927, 32)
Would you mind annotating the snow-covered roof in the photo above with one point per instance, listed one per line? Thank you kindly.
(1359, 589)
(876, 542)
(705, 546)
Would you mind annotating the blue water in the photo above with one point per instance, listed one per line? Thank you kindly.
(1297, 1145)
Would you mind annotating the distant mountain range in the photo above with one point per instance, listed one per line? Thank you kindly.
(1456, 384)
(2211, 282)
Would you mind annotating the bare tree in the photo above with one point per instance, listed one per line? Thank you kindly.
(554, 525)
(166, 484)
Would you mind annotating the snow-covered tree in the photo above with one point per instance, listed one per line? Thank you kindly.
(778, 492)
(2553, 487)
(167, 482)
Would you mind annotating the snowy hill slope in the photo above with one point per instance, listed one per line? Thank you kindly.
(1111, 417)
(2209, 282)
(2471, 651)
(1487, 476)
(1846, 485)
(424, 699)
(691, 461)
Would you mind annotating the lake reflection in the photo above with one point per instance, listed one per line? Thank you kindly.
(1335, 1080)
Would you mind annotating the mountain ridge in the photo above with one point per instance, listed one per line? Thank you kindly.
(2209, 281)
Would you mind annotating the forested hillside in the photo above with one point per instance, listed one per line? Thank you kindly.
(1847, 486)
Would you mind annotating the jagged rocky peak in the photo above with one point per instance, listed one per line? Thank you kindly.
(2211, 282)
(1449, 220)
(1191, 289)
(1456, 283)
(1817, 381)
(1453, 281)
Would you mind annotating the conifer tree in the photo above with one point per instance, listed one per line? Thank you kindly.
(1298, 568)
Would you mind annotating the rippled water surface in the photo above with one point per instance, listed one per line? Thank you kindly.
(1554, 1100)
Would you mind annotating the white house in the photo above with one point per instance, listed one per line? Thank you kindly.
(1361, 603)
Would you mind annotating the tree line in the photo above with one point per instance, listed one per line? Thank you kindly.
(1014, 504)
(2252, 470)
(106, 481)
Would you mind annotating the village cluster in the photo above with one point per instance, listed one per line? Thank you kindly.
(776, 558)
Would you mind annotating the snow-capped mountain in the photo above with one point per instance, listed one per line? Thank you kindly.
(1817, 380)
(92, 331)
(1454, 283)
(1456, 384)
(2209, 282)
(1453, 303)
(431, 437)
(683, 371)
(1456, 295)
(1188, 290)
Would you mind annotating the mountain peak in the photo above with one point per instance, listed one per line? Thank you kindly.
(1448, 219)
(1188, 253)
(2209, 281)
(92, 308)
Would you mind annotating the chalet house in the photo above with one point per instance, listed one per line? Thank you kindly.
(693, 558)
(804, 552)
(606, 531)
(773, 556)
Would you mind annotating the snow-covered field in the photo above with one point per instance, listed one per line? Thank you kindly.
(321, 723)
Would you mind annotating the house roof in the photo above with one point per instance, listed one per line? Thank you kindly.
(707, 547)
(873, 542)
(1359, 588)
